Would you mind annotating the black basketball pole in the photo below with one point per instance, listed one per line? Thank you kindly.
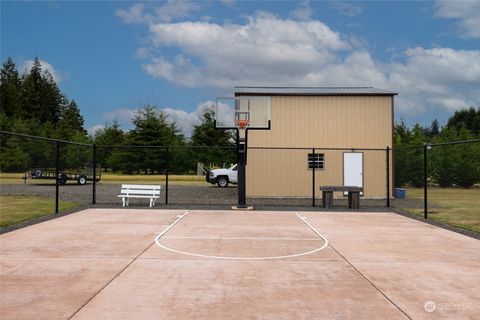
(242, 203)
(388, 176)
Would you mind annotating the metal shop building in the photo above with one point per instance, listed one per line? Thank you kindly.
(341, 123)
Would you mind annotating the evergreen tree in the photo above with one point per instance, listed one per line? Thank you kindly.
(443, 159)
(152, 128)
(465, 118)
(31, 88)
(434, 128)
(409, 162)
(76, 156)
(205, 134)
(111, 135)
(10, 90)
(70, 121)
(51, 99)
(41, 97)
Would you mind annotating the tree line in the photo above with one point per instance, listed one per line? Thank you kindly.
(448, 165)
(32, 103)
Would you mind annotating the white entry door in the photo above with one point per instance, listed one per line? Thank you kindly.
(353, 169)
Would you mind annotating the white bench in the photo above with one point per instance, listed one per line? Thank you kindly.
(147, 191)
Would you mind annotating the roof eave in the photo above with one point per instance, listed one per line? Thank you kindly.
(388, 94)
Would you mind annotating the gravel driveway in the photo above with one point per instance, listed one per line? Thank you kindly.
(181, 195)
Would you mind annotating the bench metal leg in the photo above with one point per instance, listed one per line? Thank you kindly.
(123, 202)
(151, 202)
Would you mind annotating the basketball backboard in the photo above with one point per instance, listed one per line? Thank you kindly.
(242, 113)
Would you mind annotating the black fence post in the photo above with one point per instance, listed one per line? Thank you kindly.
(313, 176)
(388, 176)
(57, 173)
(425, 188)
(166, 178)
(94, 171)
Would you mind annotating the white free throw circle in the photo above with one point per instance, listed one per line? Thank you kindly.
(325, 244)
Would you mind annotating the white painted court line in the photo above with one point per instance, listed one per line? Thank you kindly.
(157, 241)
(236, 238)
(180, 217)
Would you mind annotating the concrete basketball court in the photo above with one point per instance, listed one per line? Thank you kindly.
(105, 264)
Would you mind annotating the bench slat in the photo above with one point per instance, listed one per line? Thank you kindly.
(341, 188)
(140, 186)
(136, 196)
(148, 191)
(135, 191)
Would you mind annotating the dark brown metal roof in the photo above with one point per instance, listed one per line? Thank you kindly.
(311, 91)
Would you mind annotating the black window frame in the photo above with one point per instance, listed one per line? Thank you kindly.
(318, 161)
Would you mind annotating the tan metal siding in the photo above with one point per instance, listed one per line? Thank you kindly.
(325, 121)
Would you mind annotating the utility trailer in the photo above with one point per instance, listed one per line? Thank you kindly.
(81, 175)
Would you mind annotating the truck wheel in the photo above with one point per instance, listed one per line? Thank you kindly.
(222, 182)
(62, 179)
(82, 180)
(37, 173)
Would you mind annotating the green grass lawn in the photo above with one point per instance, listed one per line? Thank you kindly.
(113, 178)
(453, 206)
(15, 209)
(150, 178)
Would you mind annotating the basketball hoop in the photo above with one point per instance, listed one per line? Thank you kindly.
(242, 123)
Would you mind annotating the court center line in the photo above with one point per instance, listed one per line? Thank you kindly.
(238, 238)
(157, 241)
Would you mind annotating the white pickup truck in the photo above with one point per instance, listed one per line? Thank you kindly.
(222, 177)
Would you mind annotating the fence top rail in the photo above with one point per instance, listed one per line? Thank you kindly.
(44, 138)
(439, 144)
(233, 147)
(319, 148)
(161, 147)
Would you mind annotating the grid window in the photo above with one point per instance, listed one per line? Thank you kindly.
(316, 161)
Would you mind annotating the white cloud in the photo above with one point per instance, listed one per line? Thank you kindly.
(132, 15)
(346, 8)
(93, 129)
(303, 12)
(174, 9)
(467, 12)
(58, 76)
(267, 50)
(123, 116)
(167, 12)
(440, 78)
(186, 120)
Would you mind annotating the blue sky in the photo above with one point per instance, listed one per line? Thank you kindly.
(114, 57)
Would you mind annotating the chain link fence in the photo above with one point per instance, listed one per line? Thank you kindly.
(41, 177)
(440, 182)
(29, 188)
